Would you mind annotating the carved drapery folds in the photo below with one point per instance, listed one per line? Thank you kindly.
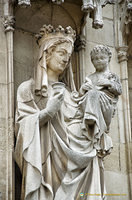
(95, 8)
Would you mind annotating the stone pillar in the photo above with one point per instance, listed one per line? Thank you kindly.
(122, 59)
(124, 116)
(80, 46)
(9, 28)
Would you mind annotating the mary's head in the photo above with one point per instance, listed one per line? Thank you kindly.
(56, 46)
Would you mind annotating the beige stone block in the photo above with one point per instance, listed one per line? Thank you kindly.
(114, 129)
(117, 186)
(89, 68)
(108, 11)
(120, 159)
(3, 100)
(23, 48)
(111, 162)
(3, 68)
(114, 65)
(3, 174)
(126, 157)
(23, 57)
(102, 36)
(3, 138)
(2, 37)
(3, 56)
(130, 74)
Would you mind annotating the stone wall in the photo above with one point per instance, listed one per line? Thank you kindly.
(118, 169)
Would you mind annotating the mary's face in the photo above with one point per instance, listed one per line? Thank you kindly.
(60, 57)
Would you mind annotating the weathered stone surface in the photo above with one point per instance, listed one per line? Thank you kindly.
(108, 12)
(117, 186)
(103, 35)
(3, 173)
(3, 141)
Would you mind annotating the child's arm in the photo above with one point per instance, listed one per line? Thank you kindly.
(115, 87)
(87, 85)
(112, 83)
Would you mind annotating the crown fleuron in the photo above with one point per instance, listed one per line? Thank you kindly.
(48, 32)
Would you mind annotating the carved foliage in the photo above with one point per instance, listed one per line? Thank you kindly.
(58, 1)
(9, 23)
(24, 3)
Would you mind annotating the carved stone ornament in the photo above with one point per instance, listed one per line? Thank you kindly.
(126, 16)
(122, 54)
(58, 1)
(24, 3)
(95, 8)
(9, 23)
(80, 43)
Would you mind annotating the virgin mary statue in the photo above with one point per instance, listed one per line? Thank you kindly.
(56, 158)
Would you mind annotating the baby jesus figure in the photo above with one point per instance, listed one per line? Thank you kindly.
(99, 95)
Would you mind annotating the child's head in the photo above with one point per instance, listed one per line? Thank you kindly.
(101, 49)
(100, 56)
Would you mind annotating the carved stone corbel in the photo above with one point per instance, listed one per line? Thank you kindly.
(24, 3)
(58, 1)
(122, 54)
(80, 43)
(9, 22)
(95, 8)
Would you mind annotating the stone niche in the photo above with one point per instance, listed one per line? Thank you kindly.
(28, 22)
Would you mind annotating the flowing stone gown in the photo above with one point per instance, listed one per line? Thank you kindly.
(58, 160)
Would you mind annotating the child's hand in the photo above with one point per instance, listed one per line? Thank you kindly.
(104, 82)
(85, 87)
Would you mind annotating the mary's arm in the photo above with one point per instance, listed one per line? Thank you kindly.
(52, 107)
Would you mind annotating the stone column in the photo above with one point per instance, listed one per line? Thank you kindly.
(125, 117)
(80, 46)
(122, 59)
(7, 102)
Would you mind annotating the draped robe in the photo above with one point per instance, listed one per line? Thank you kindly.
(58, 160)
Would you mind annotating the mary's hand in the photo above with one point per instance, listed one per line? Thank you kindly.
(54, 104)
(52, 107)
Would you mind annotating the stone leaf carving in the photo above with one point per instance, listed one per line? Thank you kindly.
(58, 1)
(24, 3)
(9, 23)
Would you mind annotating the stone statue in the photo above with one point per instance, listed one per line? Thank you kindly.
(99, 95)
(57, 157)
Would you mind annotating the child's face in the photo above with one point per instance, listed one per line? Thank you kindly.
(100, 61)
